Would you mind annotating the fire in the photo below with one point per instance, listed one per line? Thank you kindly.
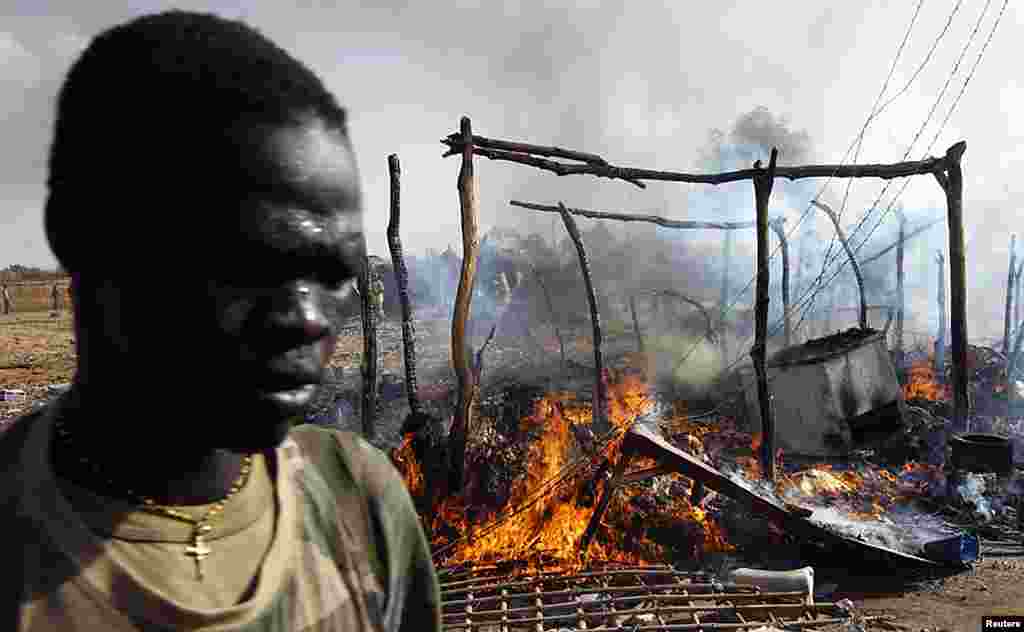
(921, 383)
(865, 494)
(546, 514)
(406, 462)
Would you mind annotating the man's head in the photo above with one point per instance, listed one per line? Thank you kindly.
(204, 195)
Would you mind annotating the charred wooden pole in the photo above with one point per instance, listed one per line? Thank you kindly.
(554, 319)
(901, 299)
(952, 182)
(763, 181)
(723, 298)
(369, 365)
(636, 324)
(862, 316)
(600, 421)
(777, 226)
(1008, 313)
(940, 339)
(416, 415)
(461, 355)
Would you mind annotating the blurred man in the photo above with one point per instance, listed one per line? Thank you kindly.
(55, 299)
(6, 298)
(122, 511)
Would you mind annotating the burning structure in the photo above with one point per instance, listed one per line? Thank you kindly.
(560, 501)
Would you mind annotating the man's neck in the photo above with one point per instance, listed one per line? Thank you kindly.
(148, 468)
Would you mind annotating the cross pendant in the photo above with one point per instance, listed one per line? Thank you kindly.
(198, 551)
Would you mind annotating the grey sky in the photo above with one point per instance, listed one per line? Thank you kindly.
(641, 83)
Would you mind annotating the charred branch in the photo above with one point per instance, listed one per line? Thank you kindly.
(629, 217)
(470, 211)
(417, 416)
(952, 183)
(456, 145)
(863, 316)
(762, 194)
(369, 368)
(600, 422)
(524, 148)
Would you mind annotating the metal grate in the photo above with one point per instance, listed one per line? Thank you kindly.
(626, 599)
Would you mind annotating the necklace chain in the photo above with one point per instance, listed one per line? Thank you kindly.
(198, 549)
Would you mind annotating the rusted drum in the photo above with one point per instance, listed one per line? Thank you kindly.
(982, 452)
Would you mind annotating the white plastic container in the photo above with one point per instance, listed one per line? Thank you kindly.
(801, 579)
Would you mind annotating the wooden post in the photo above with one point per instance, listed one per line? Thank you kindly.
(777, 226)
(723, 300)
(469, 204)
(862, 317)
(952, 183)
(762, 193)
(901, 299)
(940, 339)
(369, 319)
(1008, 313)
(600, 423)
(417, 416)
(636, 324)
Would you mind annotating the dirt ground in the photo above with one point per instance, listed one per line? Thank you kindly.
(37, 350)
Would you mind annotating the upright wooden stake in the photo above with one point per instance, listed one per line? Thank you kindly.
(600, 420)
(901, 299)
(370, 377)
(469, 204)
(862, 317)
(940, 339)
(787, 325)
(1008, 313)
(763, 181)
(952, 182)
(416, 416)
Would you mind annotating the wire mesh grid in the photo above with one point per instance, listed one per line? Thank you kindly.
(617, 597)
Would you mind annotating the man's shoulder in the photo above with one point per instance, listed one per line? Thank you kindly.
(329, 448)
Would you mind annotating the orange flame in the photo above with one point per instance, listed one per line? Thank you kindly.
(921, 383)
(545, 518)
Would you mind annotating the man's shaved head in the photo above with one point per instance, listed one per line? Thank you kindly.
(142, 113)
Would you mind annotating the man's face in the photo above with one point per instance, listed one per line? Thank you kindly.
(275, 255)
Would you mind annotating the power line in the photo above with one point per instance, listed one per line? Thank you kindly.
(829, 261)
(856, 140)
